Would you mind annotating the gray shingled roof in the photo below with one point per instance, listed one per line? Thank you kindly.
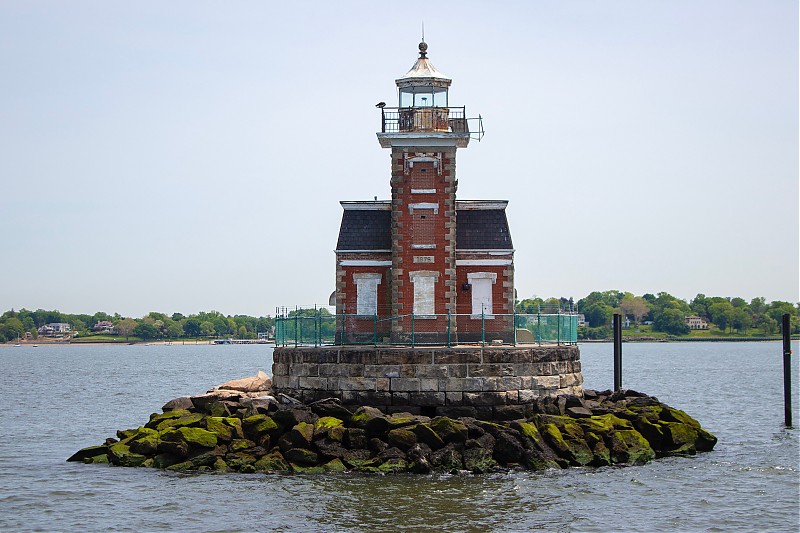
(482, 229)
(476, 229)
(365, 230)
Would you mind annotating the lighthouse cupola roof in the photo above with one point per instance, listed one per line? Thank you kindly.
(423, 73)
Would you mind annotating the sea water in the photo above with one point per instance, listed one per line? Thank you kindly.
(58, 399)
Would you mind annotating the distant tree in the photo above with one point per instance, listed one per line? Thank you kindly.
(598, 314)
(242, 332)
(766, 324)
(174, 330)
(14, 328)
(741, 320)
(192, 327)
(207, 329)
(758, 305)
(722, 314)
(125, 327)
(635, 306)
(738, 302)
(671, 321)
(146, 331)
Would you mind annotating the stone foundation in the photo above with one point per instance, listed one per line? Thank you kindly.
(427, 380)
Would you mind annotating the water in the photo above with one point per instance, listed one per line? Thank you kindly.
(58, 399)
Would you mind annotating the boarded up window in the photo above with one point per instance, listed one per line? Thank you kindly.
(367, 293)
(424, 296)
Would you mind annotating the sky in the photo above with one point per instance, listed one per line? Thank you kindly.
(185, 156)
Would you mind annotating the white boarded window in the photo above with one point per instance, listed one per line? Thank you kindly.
(424, 291)
(482, 292)
(367, 292)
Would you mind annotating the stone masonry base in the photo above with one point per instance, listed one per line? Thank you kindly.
(456, 381)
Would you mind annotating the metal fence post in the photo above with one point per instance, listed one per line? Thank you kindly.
(558, 327)
(514, 323)
(539, 326)
(617, 351)
(787, 370)
(375, 329)
(483, 328)
(412, 329)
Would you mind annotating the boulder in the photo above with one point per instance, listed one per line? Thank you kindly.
(508, 449)
(331, 407)
(450, 430)
(448, 459)
(88, 453)
(402, 438)
(184, 402)
(258, 383)
(301, 456)
(479, 460)
(273, 462)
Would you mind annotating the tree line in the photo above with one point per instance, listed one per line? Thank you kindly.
(667, 313)
(152, 326)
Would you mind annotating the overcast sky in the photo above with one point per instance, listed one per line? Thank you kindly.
(186, 156)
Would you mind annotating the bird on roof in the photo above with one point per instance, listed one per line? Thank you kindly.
(381, 104)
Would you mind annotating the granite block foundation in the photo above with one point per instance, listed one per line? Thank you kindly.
(432, 381)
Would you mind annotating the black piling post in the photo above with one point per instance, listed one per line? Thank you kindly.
(787, 370)
(617, 351)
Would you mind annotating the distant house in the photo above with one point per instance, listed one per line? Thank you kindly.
(54, 328)
(582, 320)
(695, 322)
(103, 325)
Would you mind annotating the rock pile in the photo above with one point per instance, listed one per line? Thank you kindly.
(236, 430)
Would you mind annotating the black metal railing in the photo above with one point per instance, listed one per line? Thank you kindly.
(430, 119)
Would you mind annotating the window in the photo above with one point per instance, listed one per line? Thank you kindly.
(424, 295)
(367, 292)
(482, 293)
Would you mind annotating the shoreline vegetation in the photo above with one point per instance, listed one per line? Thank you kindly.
(650, 317)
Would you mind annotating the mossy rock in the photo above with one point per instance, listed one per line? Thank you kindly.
(427, 435)
(258, 425)
(88, 453)
(198, 437)
(157, 418)
(654, 433)
(479, 460)
(491, 428)
(274, 462)
(402, 438)
(629, 446)
(311, 470)
(146, 444)
(393, 466)
(601, 454)
(220, 465)
(448, 459)
(97, 460)
(449, 430)
(575, 450)
(237, 445)
(355, 438)
(604, 424)
(650, 412)
(121, 455)
(217, 426)
(400, 420)
(192, 420)
(669, 414)
(235, 425)
(336, 433)
(163, 460)
(238, 459)
(324, 425)
(126, 434)
(364, 414)
(705, 440)
(334, 466)
(301, 456)
(171, 441)
(678, 435)
(218, 409)
(301, 434)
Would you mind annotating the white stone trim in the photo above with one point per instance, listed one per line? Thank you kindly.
(423, 274)
(483, 262)
(480, 205)
(423, 191)
(367, 275)
(379, 205)
(486, 251)
(423, 246)
(482, 275)
(364, 263)
(426, 139)
(424, 205)
(424, 291)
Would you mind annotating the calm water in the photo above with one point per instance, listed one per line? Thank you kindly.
(56, 400)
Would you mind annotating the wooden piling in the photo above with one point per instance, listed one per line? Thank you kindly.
(787, 370)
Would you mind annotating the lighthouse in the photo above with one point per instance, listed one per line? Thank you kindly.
(425, 264)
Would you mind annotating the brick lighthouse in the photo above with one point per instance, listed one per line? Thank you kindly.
(424, 263)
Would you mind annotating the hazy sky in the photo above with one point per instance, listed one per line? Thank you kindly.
(187, 156)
